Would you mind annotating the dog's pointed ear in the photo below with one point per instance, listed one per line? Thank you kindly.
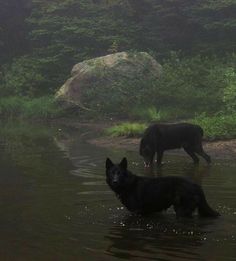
(109, 163)
(123, 164)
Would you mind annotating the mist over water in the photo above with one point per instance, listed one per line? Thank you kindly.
(55, 204)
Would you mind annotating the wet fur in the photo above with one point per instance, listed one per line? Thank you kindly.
(160, 137)
(144, 195)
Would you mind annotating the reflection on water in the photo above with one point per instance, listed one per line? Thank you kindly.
(55, 204)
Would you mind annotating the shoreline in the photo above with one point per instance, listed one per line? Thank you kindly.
(220, 149)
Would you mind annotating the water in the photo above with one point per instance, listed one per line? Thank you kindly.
(55, 204)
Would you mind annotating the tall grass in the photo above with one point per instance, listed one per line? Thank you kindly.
(22, 107)
(146, 114)
(127, 129)
(152, 114)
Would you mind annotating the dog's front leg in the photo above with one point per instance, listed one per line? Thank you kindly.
(159, 157)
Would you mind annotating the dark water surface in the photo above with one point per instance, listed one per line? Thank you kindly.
(55, 204)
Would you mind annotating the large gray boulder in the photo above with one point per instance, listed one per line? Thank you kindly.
(93, 81)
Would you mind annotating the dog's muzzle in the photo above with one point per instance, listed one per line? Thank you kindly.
(115, 181)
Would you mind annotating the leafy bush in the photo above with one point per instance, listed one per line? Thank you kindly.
(32, 77)
(22, 77)
(217, 126)
(192, 84)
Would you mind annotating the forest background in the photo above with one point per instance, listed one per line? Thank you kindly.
(194, 41)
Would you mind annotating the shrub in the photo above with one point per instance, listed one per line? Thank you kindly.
(193, 84)
(32, 77)
(217, 126)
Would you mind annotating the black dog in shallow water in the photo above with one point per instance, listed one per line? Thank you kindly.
(144, 195)
(160, 137)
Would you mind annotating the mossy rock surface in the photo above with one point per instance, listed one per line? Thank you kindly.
(107, 74)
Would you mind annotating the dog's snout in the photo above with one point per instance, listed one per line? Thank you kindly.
(115, 180)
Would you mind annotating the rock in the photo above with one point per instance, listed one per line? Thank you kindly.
(94, 80)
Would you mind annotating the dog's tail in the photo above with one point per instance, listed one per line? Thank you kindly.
(204, 209)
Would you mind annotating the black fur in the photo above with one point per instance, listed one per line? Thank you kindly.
(160, 137)
(144, 195)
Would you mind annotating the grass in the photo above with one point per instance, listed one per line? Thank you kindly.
(22, 107)
(127, 129)
(220, 126)
(146, 114)
(152, 114)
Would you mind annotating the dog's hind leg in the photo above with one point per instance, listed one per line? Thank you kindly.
(185, 208)
(202, 153)
(192, 155)
(183, 212)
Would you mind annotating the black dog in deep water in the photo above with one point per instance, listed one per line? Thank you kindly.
(160, 137)
(144, 195)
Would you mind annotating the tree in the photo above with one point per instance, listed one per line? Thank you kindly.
(13, 29)
(59, 34)
(190, 26)
(218, 25)
(63, 33)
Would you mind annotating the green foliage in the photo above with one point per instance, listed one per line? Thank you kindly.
(13, 29)
(146, 114)
(11, 106)
(187, 86)
(58, 34)
(22, 77)
(230, 90)
(151, 114)
(193, 84)
(42, 108)
(217, 126)
(217, 22)
(62, 33)
(127, 129)
(85, 27)
(37, 108)
(31, 76)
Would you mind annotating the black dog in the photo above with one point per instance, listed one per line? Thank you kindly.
(144, 195)
(160, 137)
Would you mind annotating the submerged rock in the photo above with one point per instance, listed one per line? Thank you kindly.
(94, 81)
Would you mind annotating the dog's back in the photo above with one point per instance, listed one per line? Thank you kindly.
(171, 136)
